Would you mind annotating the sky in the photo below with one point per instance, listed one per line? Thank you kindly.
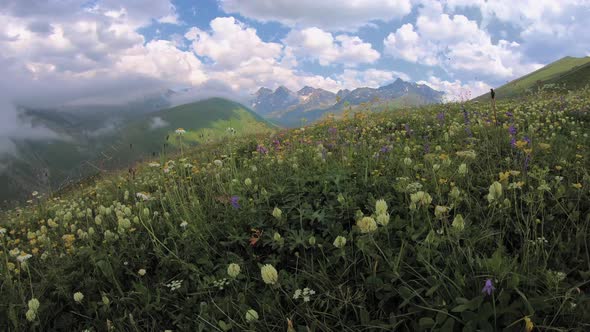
(72, 51)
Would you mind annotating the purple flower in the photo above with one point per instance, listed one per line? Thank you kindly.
(408, 130)
(384, 149)
(333, 130)
(441, 117)
(509, 114)
(261, 149)
(277, 144)
(488, 287)
(234, 202)
(512, 130)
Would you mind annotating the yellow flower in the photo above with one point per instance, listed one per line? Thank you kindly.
(577, 185)
(528, 324)
(520, 144)
(269, 274)
(504, 176)
(367, 225)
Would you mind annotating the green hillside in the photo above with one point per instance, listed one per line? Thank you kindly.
(571, 72)
(48, 165)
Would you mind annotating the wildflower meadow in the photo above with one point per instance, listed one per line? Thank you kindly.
(440, 218)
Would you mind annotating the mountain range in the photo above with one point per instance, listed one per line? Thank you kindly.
(287, 107)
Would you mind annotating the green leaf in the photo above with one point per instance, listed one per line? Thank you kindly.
(426, 322)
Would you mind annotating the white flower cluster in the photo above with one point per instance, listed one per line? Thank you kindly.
(221, 283)
(174, 284)
(304, 294)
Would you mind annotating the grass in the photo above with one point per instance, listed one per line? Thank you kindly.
(557, 72)
(431, 219)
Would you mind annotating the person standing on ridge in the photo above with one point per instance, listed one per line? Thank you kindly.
(493, 95)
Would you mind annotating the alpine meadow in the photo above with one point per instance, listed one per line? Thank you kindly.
(294, 166)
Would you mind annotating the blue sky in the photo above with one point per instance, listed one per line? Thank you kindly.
(80, 50)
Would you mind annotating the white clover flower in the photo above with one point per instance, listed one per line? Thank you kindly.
(248, 182)
(218, 162)
(183, 224)
(269, 274)
(233, 270)
(34, 304)
(383, 219)
(340, 241)
(180, 131)
(31, 315)
(367, 225)
(380, 207)
(495, 192)
(78, 297)
(141, 272)
(277, 213)
(458, 223)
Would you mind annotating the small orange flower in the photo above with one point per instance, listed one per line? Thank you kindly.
(255, 236)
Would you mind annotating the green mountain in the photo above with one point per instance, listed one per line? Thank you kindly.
(569, 73)
(86, 148)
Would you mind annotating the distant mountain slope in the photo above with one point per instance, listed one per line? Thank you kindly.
(569, 71)
(41, 165)
(288, 108)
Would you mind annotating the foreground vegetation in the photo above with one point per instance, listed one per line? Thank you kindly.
(434, 219)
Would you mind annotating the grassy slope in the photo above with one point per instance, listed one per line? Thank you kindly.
(561, 71)
(422, 270)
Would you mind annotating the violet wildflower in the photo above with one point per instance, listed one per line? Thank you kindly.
(384, 149)
(261, 149)
(277, 144)
(488, 287)
(333, 130)
(512, 130)
(408, 130)
(234, 202)
(441, 117)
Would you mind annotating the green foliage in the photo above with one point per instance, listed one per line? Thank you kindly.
(153, 252)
